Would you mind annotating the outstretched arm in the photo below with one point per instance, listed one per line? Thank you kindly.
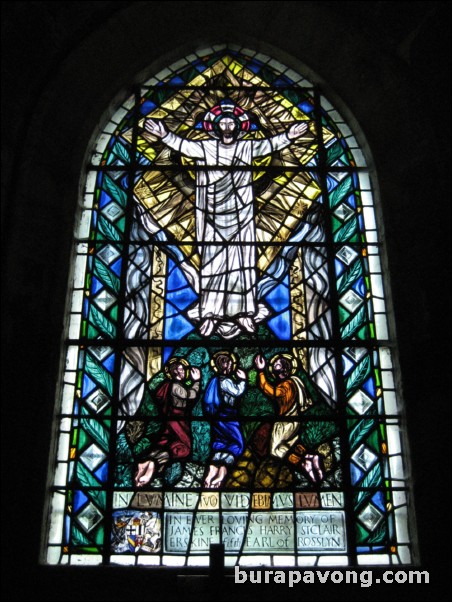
(268, 145)
(189, 148)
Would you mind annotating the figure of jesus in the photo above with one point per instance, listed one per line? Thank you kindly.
(225, 222)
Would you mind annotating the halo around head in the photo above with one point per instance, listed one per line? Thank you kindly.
(174, 361)
(232, 356)
(226, 108)
(287, 356)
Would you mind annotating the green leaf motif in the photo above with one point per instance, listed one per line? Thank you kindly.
(85, 478)
(249, 428)
(97, 432)
(106, 276)
(197, 409)
(354, 324)
(358, 376)
(317, 432)
(122, 152)
(341, 190)
(346, 232)
(123, 451)
(256, 404)
(99, 497)
(102, 323)
(334, 152)
(88, 481)
(359, 431)
(100, 374)
(79, 538)
(115, 191)
(173, 473)
(108, 230)
(349, 277)
(201, 441)
(123, 475)
(370, 481)
(142, 447)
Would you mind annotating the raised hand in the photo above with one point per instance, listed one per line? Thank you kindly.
(156, 128)
(195, 373)
(260, 362)
(241, 374)
(297, 129)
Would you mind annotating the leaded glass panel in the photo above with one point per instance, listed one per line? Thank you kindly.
(229, 372)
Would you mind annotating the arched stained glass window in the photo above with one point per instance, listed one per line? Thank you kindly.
(229, 373)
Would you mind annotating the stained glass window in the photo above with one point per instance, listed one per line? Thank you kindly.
(229, 374)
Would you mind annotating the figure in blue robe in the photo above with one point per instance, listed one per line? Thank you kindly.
(221, 401)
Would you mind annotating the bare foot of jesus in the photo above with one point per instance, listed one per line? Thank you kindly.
(247, 324)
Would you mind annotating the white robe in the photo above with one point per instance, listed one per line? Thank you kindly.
(225, 222)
